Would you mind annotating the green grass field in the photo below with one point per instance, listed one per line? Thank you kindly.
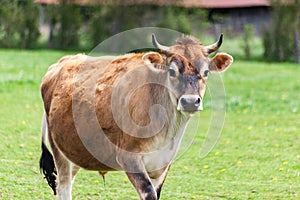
(257, 156)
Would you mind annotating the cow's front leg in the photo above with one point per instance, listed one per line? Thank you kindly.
(135, 170)
(158, 178)
(143, 185)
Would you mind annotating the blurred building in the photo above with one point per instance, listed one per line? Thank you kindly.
(236, 13)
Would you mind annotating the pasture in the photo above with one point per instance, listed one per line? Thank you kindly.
(256, 157)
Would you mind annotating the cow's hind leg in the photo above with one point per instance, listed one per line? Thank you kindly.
(56, 165)
(75, 169)
(66, 172)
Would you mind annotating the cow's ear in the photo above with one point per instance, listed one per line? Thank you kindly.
(220, 62)
(154, 61)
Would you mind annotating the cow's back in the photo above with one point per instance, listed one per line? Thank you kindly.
(61, 76)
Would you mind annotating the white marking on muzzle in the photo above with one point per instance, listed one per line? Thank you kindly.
(189, 99)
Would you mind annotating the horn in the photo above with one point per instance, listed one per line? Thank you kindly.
(157, 45)
(214, 47)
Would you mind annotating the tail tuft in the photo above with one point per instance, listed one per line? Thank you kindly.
(47, 166)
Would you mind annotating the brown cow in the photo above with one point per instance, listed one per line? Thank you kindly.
(123, 113)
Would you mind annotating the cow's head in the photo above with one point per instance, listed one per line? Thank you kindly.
(187, 71)
(185, 83)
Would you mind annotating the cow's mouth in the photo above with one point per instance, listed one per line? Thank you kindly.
(190, 110)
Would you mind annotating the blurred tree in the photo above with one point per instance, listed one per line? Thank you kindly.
(175, 18)
(9, 22)
(281, 38)
(19, 25)
(29, 32)
(296, 10)
(247, 36)
(99, 21)
(70, 22)
(111, 19)
(65, 23)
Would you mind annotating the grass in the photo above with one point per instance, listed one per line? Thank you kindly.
(257, 156)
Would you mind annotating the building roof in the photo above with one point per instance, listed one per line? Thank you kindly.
(184, 3)
(227, 3)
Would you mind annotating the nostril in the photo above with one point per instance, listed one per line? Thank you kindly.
(183, 101)
(190, 103)
(198, 100)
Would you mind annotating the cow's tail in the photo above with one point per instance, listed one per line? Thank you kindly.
(47, 165)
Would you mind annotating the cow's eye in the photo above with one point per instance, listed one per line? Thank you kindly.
(172, 72)
(179, 64)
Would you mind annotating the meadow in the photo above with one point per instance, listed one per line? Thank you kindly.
(256, 157)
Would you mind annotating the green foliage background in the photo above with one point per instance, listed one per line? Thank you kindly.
(19, 24)
(279, 38)
(83, 27)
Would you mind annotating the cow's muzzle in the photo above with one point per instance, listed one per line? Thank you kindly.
(190, 103)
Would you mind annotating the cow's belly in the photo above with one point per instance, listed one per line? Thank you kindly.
(87, 157)
(81, 142)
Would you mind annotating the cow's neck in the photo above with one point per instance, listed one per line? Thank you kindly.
(175, 121)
